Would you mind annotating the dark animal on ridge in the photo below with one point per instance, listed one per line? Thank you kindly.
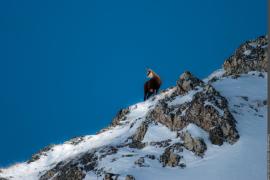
(152, 85)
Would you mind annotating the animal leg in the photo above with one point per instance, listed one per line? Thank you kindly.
(145, 97)
(156, 91)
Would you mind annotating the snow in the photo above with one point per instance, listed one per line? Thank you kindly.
(246, 159)
(216, 74)
(196, 131)
(247, 52)
(186, 98)
(158, 132)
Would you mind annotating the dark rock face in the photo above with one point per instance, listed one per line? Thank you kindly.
(170, 157)
(216, 136)
(196, 145)
(207, 109)
(250, 56)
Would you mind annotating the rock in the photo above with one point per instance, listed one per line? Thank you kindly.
(121, 116)
(250, 56)
(170, 156)
(140, 132)
(42, 152)
(140, 162)
(136, 144)
(74, 169)
(76, 140)
(130, 177)
(164, 143)
(196, 145)
(110, 176)
(207, 109)
(216, 136)
(187, 82)
(138, 136)
(150, 156)
(67, 172)
(107, 150)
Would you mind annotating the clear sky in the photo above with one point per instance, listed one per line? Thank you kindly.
(67, 67)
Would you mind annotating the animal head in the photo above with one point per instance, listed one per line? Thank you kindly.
(150, 73)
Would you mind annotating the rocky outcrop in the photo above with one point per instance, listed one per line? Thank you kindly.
(171, 157)
(120, 117)
(77, 168)
(112, 176)
(141, 162)
(136, 139)
(42, 152)
(250, 56)
(130, 177)
(201, 105)
(141, 131)
(76, 140)
(160, 144)
(74, 169)
(196, 145)
(187, 82)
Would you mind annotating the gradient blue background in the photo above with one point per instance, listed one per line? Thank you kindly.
(67, 67)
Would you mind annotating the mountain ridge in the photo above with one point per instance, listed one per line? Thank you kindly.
(174, 129)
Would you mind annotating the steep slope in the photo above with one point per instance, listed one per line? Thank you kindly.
(205, 129)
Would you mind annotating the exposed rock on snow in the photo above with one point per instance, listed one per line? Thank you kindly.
(194, 144)
(250, 56)
(42, 152)
(187, 82)
(171, 156)
(129, 177)
(206, 108)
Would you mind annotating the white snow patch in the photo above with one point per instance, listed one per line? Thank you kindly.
(195, 131)
(247, 52)
(216, 74)
(158, 132)
(186, 98)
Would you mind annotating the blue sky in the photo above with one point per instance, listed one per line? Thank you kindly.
(67, 67)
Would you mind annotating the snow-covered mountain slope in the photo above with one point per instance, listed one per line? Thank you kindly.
(200, 129)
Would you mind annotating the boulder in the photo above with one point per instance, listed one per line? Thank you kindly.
(196, 145)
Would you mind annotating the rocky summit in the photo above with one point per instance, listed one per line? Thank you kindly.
(213, 128)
